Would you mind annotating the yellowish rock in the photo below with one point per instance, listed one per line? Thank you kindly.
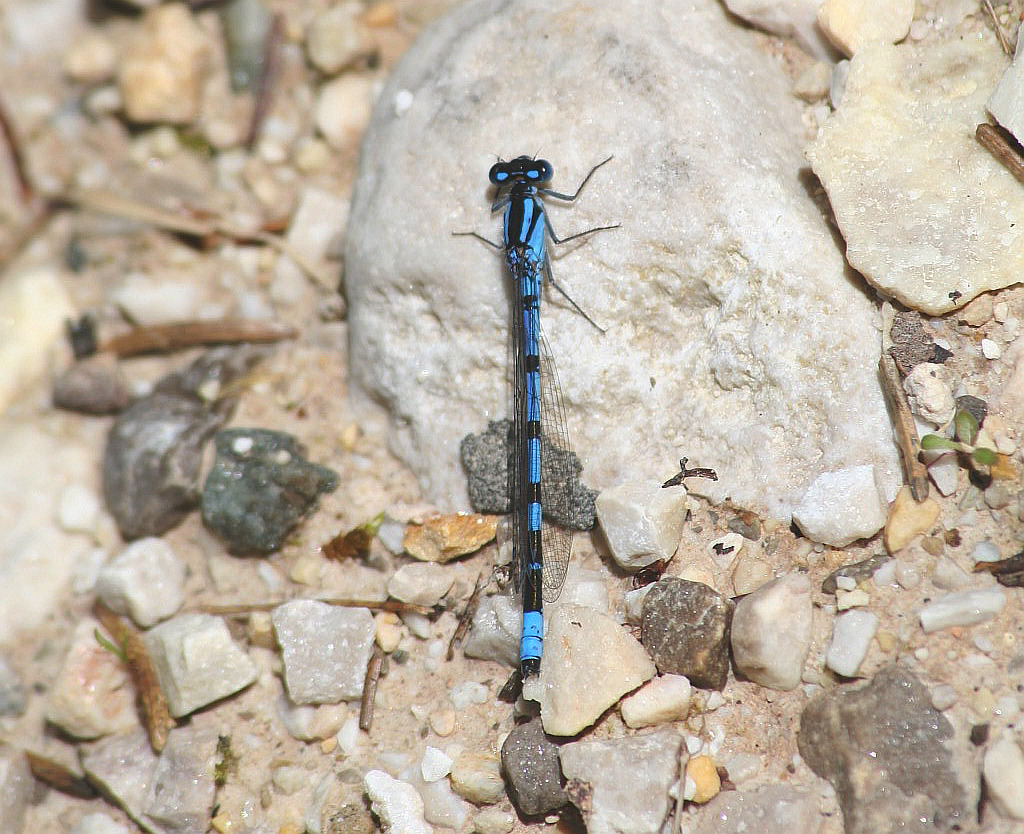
(446, 537)
(908, 519)
(707, 783)
(389, 631)
(852, 24)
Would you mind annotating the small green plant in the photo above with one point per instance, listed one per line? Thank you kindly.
(965, 430)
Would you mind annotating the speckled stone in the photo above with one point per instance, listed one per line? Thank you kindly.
(885, 749)
(529, 760)
(686, 630)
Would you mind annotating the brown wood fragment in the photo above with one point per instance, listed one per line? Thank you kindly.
(906, 430)
(467, 616)
(1000, 143)
(59, 776)
(156, 716)
(392, 605)
(1000, 34)
(161, 338)
(18, 161)
(373, 670)
(1008, 572)
(267, 80)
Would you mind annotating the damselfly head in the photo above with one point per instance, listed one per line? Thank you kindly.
(521, 169)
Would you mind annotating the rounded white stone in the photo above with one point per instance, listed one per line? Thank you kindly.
(771, 632)
(641, 521)
(661, 700)
(842, 506)
(343, 109)
(436, 764)
(78, 508)
(421, 583)
(146, 581)
(962, 608)
(851, 638)
(1003, 770)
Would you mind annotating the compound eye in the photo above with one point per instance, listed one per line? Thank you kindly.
(498, 173)
(544, 170)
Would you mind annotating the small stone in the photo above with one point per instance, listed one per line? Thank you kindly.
(929, 390)
(389, 631)
(1003, 771)
(146, 581)
(686, 630)
(343, 109)
(584, 644)
(530, 762)
(94, 385)
(446, 537)
(842, 506)
(851, 599)
(857, 572)
(789, 20)
(773, 809)
(325, 649)
(91, 59)
(16, 787)
(750, 574)
(396, 803)
(908, 519)
(12, 690)
(468, 693)
(99, 823)
(255, 498)
(477, 778)
(35, 308)
(990, 349)
(851, 638)
(493, 821)
(182, 790)
(977, 313)
(742, 766)
(495, 631)
(421, 584)
(443, 722)
(153, 457)
(641, 521)
(701, 772)
(999, 494)
(317, 222)
(122, 767)
(945, 472)
(854, 24)
(621, 786)
(311, 723)
(813, 83)
(771, 632)
(887, 752)
(949, 576)
(197, 662)
(152, 300)
(662, 700)
(436, 764)
(334, 38)
(161, 71)
(289, 779)
(92, 695)
(943, 697)
(78, 509)
(962, 609)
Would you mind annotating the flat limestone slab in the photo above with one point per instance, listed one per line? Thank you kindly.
(929, 216)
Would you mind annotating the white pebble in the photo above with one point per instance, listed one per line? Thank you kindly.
(962, 609)
(851, 599)
(349, 736)
(78, 509)
(391, 534)
(421, 583)
(943, 696)
(846, 583)
(990, 349)
(842, 506)
(398, 805)
(851, 638)
(156, 300)
(1003, 770)
(930, 392)
(146, 581)
(944, 472)
(99, 823)
(907, 575)
(661, 700)
(467, 693)
(436, 764)
(343, 109)
(986, 551)
(642, 522)
(742, 766)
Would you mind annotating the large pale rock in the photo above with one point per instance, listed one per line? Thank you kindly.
(582, 644)
(796, 19)
(853, 24)
(929, 216)
(1006, 103)
(726, 319)
(841, 507)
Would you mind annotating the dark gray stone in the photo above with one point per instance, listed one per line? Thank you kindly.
(260, 488)
(529, 760)
(152, 461)
(93, 386)
(857, 571)
(685, 628)
(567, 502)
(886, 750)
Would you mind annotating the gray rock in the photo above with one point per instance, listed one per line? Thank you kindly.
(325, 649)
(768, 309)
(146, 581)
(260, 488)
(529, 760)
(774, 809)
(495, 631)
(886, 750)
(857, 571)
(12, 691)
(621, 786)
(122, 767)
(685, 627)
(16, 786)
(94, 385)
(153, 456)
(485, 457)
(197, 662)
(183, 789)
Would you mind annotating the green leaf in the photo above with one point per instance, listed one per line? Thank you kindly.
(966, 427)
(986, 457)
(931, 442)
